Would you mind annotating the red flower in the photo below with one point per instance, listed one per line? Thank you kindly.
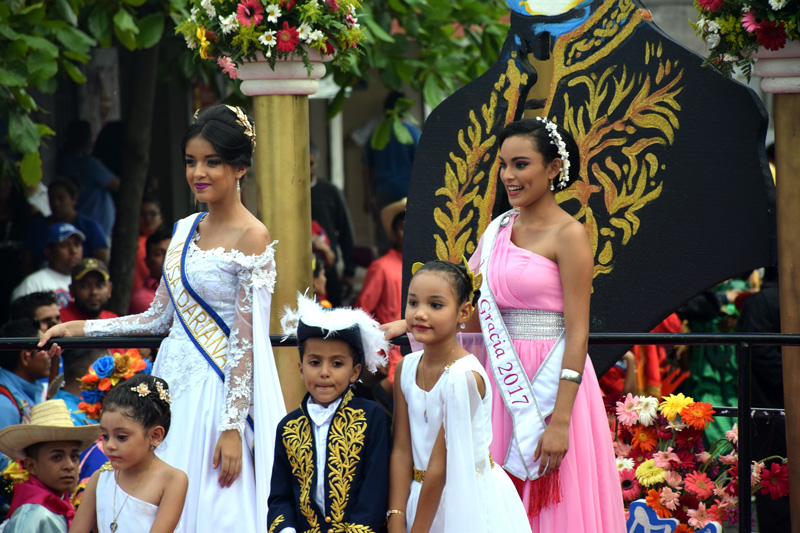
(288, 38)
(334, 5)
(329, 49)
(287, 4)
(90, 378)
(104, 385)
(688, 438)
(629, 484)
(771, 35)
(687, 461)
(683, 528)
(775, 481)
(687, 502)
(710, 5)
(699, 484)
(249, 12)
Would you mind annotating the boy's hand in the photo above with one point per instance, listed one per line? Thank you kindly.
(228, 456)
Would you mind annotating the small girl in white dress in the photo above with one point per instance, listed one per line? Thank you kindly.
(442, 477)
(135, 491)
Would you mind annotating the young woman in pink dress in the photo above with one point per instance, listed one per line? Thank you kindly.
(549, 424)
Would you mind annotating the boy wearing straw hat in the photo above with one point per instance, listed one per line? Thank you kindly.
(48, 448)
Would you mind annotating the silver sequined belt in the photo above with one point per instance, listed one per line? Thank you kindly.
(533, 324)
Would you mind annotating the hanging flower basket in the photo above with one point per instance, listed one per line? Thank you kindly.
(230, 32)
(734, 30)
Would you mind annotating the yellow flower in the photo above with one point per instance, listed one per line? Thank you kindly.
(673, 404)
(15, 473)
(204, 42)
(649, 474)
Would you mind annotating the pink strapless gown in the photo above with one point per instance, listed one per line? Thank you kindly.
(591, 498)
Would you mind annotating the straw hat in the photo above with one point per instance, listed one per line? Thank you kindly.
(389, 212)
(50, 422)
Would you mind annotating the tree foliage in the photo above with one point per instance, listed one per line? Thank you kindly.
(434, 46)
(42, 42)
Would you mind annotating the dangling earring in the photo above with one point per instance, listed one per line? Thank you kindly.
(239, 188)
(552, 187)
(462, 325)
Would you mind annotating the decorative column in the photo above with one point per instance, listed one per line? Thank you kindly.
(280, 111)
(781, 72)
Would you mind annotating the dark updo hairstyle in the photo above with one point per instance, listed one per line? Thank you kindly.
(537, 132)
(149, 411)
(459, 279)
(218, 125)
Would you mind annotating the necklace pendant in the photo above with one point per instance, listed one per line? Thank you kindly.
(425, 414)
(113, 526)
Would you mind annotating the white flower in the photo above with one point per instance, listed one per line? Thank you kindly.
(777, 4)
(647, 410)
(676, 425)
(623, 463)
(713, 26)
(209, 7)
(316, 35)
(745, 9)
(229, 23)
(194, 12)
(191, 41)
(304, 32)
(273, 12)
(268, 39)
(712, 40)
(729, 58)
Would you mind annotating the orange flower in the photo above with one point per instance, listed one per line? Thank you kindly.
(698, 415)
(90, 379)
(104, 385)
(654, 501)
(644, 438)
(683, 528)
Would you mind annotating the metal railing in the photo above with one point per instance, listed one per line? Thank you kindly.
(743, 342)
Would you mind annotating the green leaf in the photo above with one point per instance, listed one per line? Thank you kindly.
(382, 135)
(73, 71)
(30, 169)
(24, 99)
(66, 12)
(135, 3)
(432, 92)
(22, 133)
(401, 132)
(127, 38)
(39, 43)
(41, 67)
(75, 56)
(29, 9)
(99, 24)
(44, 130)
(75, 40)
(123, 21)
(151, 28)
(336, 105)
(48, 86)
(11, 79)
(7, 32)
(377, 31)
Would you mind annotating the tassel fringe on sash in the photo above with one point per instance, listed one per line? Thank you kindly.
(542, 492)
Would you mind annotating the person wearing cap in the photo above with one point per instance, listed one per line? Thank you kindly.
(63, 250)
(90, 289)
(382, 292)
(48, 448)
(331, 466)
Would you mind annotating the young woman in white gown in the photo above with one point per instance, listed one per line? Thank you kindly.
(214, 301)
(442, 476)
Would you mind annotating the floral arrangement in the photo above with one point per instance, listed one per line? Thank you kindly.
(230, 31)
(104, 374)
(734, 29)
(661, 458)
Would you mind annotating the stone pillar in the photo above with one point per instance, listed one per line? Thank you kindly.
(280, 111)
(780, 71)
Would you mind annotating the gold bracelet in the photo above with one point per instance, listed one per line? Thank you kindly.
(390, 512)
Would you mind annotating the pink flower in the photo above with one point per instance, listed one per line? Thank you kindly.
(750, 24)
(669, 498)
(334, 5)
(627, 410)
(755, 473)
(662, 459)
(621, 449)
(630, 485)
(710, 5)
(228, 67)
(730, 459)
(700, 485)
(673, 479)
(699, 518)
(249, 12)
(703, 457)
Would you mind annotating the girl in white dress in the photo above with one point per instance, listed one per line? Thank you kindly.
(135, 491)
(442, 477)
(219, 275)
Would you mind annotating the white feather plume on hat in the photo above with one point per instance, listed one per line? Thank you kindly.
(373, 343)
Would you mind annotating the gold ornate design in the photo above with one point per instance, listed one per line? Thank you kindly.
(351, 528)
(346, 438)
(600, 34)
(418, 475)
(629, 175)
(275, 523)
(299, 449)
(470, 192)
(106, 467)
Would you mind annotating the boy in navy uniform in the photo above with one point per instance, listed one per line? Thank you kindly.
(331, 466)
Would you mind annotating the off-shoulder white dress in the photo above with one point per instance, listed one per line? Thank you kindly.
(239, 288)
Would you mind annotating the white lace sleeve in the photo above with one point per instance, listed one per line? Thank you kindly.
(155, 321)
(254, 273)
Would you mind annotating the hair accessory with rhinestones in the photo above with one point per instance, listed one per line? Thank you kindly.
(142, 389)
(243, 121)
(555, 139)
(163, 393)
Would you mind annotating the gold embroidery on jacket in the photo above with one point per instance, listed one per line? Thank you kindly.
(345, 443)
(276, 523)
(298, 444)
(351, 528)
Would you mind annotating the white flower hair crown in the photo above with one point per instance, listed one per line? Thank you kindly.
(555, 139)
